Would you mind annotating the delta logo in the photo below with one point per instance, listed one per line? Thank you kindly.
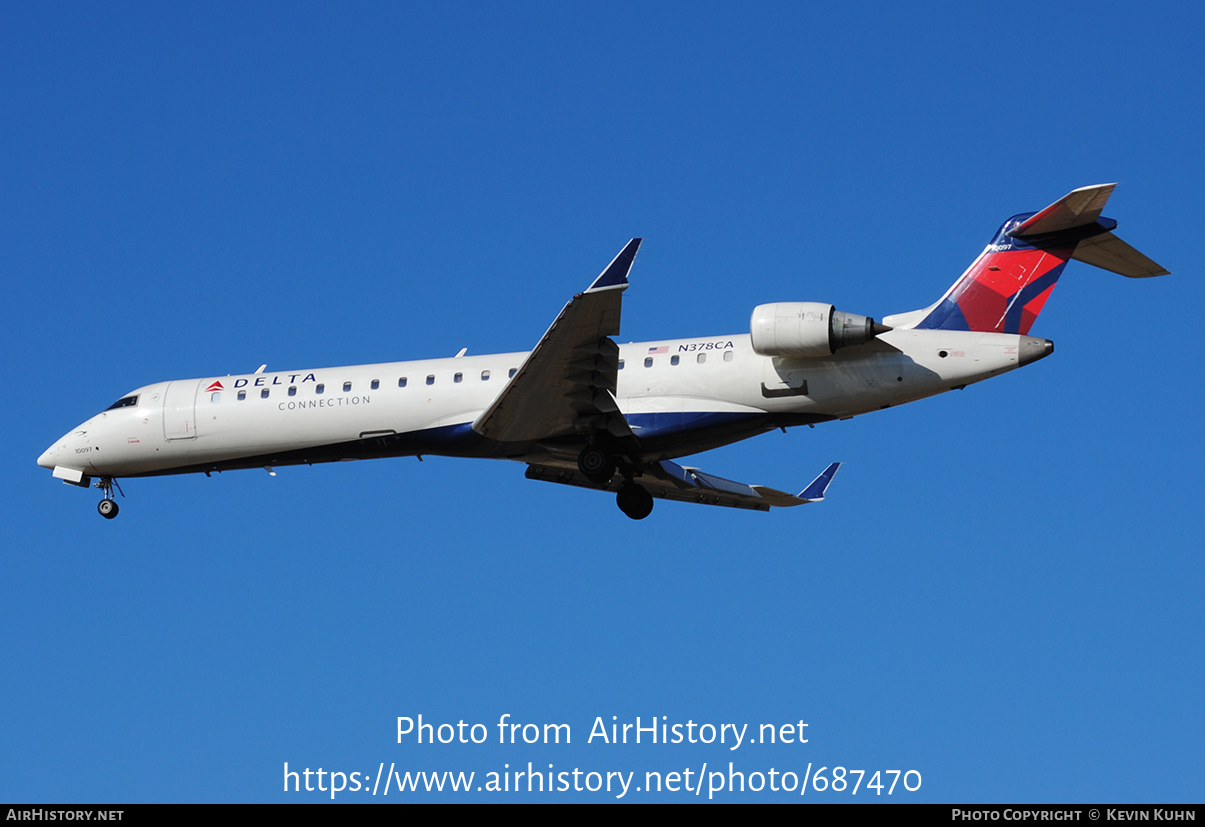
(216, 386)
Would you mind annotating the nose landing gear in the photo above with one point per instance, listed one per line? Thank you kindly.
(108, 506)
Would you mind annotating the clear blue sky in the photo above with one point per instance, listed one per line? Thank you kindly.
(1002, 592)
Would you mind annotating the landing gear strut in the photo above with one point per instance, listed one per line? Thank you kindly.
(634, 500)
(599, 466)
(108, 506)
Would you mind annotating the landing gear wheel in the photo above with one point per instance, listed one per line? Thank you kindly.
(596, 464)
(107, 507)
(634, 501)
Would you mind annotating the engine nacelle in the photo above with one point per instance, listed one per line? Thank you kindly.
(808, 330)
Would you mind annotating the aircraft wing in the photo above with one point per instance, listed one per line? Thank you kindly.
(567, 383)
(669, 481)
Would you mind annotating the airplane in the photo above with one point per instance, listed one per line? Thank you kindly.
(581, 410)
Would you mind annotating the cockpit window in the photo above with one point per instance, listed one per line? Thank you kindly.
(124, 402)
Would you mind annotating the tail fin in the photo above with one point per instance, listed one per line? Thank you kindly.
(1004, 290)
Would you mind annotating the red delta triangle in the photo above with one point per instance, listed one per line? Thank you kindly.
(1031, 310)
(216, 386)
(998, 277)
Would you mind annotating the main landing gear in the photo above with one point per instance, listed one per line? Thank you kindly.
(108, 506)
(634, 501)
(598, 466)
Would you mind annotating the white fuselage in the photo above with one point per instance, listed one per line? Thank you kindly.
(679, 396)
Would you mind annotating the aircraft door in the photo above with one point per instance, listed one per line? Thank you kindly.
(180, 410)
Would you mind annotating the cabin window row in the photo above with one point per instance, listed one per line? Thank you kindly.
(457, 378)
(701, 358)
(320, 388)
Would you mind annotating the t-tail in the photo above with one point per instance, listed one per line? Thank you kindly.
(1005, 288)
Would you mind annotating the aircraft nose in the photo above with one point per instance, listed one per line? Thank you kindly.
(48, 456)
(56, 453)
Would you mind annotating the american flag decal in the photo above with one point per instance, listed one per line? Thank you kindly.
(662, 349)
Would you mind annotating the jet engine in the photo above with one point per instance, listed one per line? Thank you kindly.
(808, 330)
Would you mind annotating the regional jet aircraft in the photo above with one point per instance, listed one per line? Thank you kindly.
(581, 410)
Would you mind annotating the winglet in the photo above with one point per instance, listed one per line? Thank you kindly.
(616, 273)
(814, 493)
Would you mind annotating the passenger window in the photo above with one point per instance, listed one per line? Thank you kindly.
(401, 383)
(292, 390)
(376, 383)
(702, 358)
(673, 360)
(346, 387)
(727, 355)
(648, 361)
(621, 364)
(320, 389)
(263, 394)
(512, 373)
(242, 395)
(431, 379)
(485, 376)
(458, 377)
(216, 396)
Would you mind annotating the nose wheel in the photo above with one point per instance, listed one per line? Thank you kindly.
(108, 506)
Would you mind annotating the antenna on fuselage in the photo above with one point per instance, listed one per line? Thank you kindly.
(261, 368)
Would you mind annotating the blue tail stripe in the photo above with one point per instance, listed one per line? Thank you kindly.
(1012, 320)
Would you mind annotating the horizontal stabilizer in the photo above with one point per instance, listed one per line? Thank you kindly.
(1006, 287)
(1077, 208)
(1109, 252)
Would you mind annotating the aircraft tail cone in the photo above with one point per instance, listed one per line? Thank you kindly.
(1032, 349)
